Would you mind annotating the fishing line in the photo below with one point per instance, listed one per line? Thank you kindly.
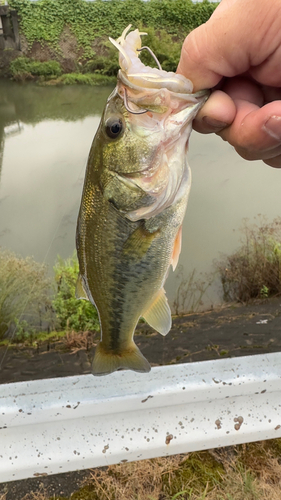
(43, 263)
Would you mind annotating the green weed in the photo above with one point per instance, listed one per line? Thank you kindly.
(71, 314)
(86, 79)
(44, 21)
(23, 68)
(195, 472)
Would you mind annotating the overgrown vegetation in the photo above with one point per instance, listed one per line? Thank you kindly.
(23, 68)
(71, 314)
(84, 79)
(85, 26)
(24, 295)
(44, 21)
(29, 304)
(254, 270)
(32, 308)
(245, 472)
(190, 291)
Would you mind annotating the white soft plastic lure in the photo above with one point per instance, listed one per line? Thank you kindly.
(129, 45)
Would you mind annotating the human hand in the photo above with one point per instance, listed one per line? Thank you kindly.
(238, 54)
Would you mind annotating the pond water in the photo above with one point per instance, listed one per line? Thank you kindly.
(45, 137)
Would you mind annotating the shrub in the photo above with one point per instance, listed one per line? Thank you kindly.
(23, 68)
(254, 270)
(72, 314)
(86, 79)
(190, 291)
(166, 48)
(24, 295)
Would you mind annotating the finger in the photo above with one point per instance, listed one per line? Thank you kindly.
(242, 88)
(271, 93)
(220, 110)
(255, 132)
(274, 162)
(218, 113)
(269, 155)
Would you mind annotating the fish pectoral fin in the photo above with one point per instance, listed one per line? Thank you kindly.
(139, 242)
(106, 362)
(176, 249)
(158, 315)
(80, 292)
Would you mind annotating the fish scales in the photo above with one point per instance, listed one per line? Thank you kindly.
(133, 204)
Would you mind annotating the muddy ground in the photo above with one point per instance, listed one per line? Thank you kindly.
(227, 332)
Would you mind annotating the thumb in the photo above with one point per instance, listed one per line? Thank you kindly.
(229, 42)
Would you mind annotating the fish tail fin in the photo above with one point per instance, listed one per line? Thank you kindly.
(106, 362)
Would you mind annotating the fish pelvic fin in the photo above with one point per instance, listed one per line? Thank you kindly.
(106, 362)
(80, 292)
(158, 315)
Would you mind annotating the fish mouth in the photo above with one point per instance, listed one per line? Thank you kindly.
(160, 101)
(147, 171)
(152, 179)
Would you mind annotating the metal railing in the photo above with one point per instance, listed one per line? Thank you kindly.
(58, 425)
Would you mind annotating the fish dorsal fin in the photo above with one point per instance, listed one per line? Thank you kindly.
(176, 249)
(80, 292)
(158, 315)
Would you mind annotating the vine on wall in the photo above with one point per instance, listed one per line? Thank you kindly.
(44, 20)
(90, 23)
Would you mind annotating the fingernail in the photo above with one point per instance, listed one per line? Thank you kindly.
(273, 127)
(215, 124)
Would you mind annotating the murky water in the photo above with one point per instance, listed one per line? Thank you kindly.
(46, 134)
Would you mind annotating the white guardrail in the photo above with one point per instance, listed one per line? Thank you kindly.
(64, 424)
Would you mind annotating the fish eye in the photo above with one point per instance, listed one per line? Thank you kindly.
(114, 127)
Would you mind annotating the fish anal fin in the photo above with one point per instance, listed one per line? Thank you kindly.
(176, 249)
(106, 362)
(80, 292)
(158, 315)
(139, 242)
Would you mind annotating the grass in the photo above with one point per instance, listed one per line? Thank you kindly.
(92, 79)
(31, 303)
(23, 68)
(34, 339)
(24, 287)
(69, 341)
(245, 472)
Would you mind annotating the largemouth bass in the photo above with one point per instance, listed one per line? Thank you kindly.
(133, 204)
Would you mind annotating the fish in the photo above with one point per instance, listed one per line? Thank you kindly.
(134, 199)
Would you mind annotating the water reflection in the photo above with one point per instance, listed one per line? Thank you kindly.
(48, 133)
(44, 166)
